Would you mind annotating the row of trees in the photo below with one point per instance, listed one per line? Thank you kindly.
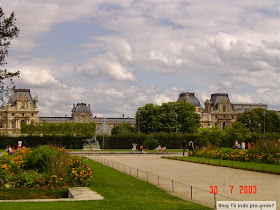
(67, 128)
(260, 121)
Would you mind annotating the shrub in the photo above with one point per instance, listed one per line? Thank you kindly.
(150, 142)
(44, 166)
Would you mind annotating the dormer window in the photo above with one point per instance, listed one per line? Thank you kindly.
(22, 105)
(224, 109)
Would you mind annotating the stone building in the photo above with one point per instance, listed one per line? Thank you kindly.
(81, 113)
(218, 111)
(190, 98)
(21, 108)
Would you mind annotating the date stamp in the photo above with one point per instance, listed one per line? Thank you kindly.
(242, 189)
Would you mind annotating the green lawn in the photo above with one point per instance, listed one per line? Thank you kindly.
(120, 191)
(262, 167)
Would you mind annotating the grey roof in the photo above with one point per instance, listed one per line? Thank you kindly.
(82, 107)
(216, 98)
(17, 93)
(189, 97)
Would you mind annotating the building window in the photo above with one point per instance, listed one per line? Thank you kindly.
(224, 109)
(22, 114)
(22, 105)
(13, 124)
(32, 114)
(13, 114)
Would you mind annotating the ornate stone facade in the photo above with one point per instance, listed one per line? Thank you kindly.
(81, 113)
(218, 111)
(21, 108)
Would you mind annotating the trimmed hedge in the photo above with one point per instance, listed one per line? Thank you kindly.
(34, 141)
(171, 141)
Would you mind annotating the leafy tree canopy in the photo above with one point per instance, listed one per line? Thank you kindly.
(123, 128)
(169, 117)
(8, 31)
(261, 120)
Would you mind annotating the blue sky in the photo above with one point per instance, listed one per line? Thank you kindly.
(118, 56)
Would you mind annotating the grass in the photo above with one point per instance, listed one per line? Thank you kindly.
(120, 191)
(14, 194)
(261, 167)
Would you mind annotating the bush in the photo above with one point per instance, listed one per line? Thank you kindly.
(150, 142)
(44, 166)
(40, 158)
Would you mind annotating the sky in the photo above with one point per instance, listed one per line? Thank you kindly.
(120, 55)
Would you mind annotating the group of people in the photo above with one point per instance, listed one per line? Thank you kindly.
(10, 150)
(242, 146)
(159, 148)
(190, 146)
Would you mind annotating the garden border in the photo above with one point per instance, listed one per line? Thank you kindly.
(74, 194)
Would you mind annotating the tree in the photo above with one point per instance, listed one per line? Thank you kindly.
(8, 31)
(171, 117)
(123, 128)
(260, 120)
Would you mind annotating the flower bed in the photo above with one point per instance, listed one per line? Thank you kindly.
(45, 166)
(239, 155)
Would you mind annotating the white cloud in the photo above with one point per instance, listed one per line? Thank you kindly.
(105, 66)
(222, 46)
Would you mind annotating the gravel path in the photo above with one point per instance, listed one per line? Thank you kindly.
(200, 176)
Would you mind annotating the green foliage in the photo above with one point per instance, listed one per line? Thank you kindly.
(40, 158)
(256, 121)
(28, 179)
(170, 117)
(123, 128)
(150, 142)
(67, 128)
(44, 166)
(213, 136)
(8, 31)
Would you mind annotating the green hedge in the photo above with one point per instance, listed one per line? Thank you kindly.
(66, 141)
(171, 141)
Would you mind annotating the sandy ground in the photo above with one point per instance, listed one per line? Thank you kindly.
(161, 172)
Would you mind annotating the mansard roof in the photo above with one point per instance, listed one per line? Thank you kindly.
(217, 97)
(20, 92)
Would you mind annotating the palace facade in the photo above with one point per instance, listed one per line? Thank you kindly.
(21, 108)
(218, 111)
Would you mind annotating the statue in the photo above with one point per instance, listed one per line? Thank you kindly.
(91, 144)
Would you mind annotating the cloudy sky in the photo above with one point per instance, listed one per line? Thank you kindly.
(120, 55)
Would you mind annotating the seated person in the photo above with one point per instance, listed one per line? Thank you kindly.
(158, 148)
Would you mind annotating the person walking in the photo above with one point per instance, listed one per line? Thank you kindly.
(183, 146)
(191, 147)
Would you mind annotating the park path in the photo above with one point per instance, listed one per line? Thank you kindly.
(200, 176)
